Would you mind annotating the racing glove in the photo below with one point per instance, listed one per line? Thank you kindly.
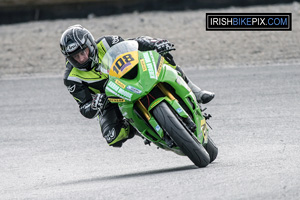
(163, 46)
(99, 101)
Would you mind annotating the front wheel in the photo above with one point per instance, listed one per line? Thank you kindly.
(188, 144)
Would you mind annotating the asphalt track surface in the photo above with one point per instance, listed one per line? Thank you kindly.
(49, 151)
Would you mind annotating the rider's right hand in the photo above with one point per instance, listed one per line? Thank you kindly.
(163, 46)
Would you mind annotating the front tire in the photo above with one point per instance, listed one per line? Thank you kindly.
(211, 149)
(188, 144)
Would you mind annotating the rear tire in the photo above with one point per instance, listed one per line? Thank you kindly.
(211, 149)
(183, 138)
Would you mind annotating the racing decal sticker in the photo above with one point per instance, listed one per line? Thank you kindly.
(118, 91)
(154, 103)
(116, 100)
(123, 64)
(161, 62)
(119, 83)
(179, 110)
(143, 65)
(146, 56)
(152, 65)
(133, 89)
(157, 128)
(204, 130)
(149, 64)
(113, 86)
(125, 93)
(152, 58)
(151, 71)
(111, 91)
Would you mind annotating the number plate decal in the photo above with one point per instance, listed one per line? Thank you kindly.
(123, 64)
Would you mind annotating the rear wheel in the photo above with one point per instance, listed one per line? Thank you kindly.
(183, 138)
(211, 149)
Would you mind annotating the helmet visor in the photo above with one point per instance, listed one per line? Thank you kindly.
(80, 59)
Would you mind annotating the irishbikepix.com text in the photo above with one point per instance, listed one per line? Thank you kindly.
(248, 21)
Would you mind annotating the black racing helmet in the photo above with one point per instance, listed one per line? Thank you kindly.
(76, 39)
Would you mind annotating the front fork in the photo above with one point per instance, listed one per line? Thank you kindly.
(173, 102)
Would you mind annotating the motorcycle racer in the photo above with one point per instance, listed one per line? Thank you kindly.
(86, 83)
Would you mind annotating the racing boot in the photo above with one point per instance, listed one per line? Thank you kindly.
(127, 132)
(202, 96)
(114, 129)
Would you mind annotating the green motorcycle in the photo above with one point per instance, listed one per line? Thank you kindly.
(154, 98)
